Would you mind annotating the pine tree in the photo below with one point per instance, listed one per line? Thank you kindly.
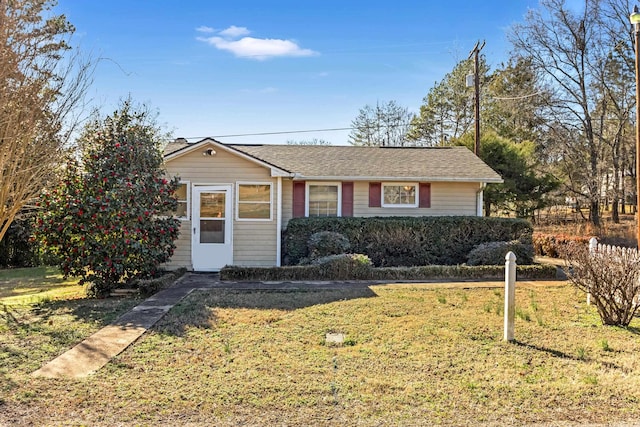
(109, 221)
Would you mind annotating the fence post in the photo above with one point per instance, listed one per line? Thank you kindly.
(593, 247)
(509, 296)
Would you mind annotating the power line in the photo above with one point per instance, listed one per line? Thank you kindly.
(285, 132)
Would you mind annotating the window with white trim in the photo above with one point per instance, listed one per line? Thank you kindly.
(253, 201)
(400, 195)
(182, 194)
(323, 199)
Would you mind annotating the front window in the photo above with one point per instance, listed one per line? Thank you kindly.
(323, 200)
(399, 195)
(254, 201)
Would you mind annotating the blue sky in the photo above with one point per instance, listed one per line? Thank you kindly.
(214, 68)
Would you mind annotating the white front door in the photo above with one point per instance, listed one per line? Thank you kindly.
(212, 244)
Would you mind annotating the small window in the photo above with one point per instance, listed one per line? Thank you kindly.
(182, 195)
(399, 195)
(254, 201)
(323, 200)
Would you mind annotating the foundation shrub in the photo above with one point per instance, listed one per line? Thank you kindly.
(325, 243)
(494, 253)
(151, 286)
(430, 272)
(344, 266)
(406, 241)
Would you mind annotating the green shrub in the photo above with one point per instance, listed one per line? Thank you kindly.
(344, 266)
(494, 253)
(406, 241)
(325, 243)
(17, 249)
(106, 221)
(430, 272)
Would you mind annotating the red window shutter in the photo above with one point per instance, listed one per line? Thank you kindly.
(347, 199)
(425, 195)
(298, 198)
(375, 189)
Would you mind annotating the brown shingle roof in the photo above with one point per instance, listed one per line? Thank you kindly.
(367, 163)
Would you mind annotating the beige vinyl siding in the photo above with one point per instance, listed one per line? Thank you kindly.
(447, 198)
(182, 254)
(254, 242)
(258, 247)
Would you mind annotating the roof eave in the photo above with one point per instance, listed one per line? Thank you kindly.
(488, 180)
(275, 171)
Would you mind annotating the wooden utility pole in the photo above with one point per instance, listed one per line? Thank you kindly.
(475, 52)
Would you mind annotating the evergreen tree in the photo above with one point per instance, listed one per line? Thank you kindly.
(107, 222)
(447, 110)
(524, 188)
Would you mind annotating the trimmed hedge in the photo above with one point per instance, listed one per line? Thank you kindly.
(406, 241)
(151, 286)
(430, 272)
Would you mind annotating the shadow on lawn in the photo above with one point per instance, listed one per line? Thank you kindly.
(98, 311)
(199, 309)
(32, 335)
(287, 299)
(550, 351)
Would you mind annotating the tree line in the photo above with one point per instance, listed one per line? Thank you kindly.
(558, 115)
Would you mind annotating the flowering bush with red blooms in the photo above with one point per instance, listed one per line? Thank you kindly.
(109, 221)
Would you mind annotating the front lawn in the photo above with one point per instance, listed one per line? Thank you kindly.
(412, 355)
(21, 286)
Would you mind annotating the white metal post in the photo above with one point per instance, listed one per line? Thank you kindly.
(509, 296)
(593, 247)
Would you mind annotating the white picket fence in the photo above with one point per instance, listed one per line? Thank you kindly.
(596, 248)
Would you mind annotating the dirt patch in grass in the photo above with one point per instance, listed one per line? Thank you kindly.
(410, 356)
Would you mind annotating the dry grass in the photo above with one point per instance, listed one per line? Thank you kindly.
(412, 356)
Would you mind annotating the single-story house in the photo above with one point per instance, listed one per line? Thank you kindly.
(234, 200)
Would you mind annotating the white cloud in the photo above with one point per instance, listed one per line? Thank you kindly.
(254, 48)
(234, 32)
(205, 29)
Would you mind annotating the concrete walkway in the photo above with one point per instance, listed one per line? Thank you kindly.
(96, 351)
